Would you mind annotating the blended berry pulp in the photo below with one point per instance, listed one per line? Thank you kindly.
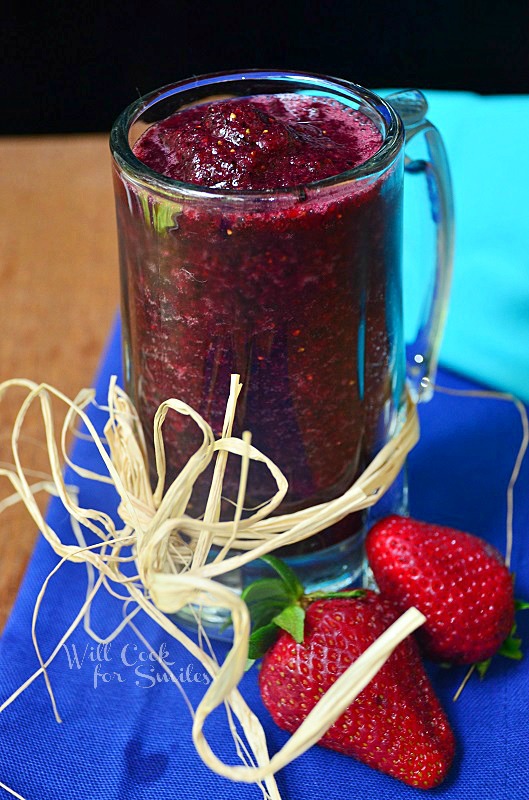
(297, 291)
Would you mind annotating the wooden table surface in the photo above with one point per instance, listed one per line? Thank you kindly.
(59, 291)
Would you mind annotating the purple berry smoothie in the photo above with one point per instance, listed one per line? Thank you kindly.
(300, 296)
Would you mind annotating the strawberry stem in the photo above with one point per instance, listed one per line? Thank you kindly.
(328, 595)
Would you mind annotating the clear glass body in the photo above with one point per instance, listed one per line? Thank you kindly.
(297, 290)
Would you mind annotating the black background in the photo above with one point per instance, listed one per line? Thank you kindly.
(73, 67)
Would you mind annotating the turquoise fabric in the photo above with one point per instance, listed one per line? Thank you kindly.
(487, 331)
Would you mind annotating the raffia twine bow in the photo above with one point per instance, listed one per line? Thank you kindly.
(171, 550)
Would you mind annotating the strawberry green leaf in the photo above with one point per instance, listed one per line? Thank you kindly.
(521, 605)
(261, 640)
(511, 647)
(287, 575)
(265, 599)
(265, 588)
(292, 620)
(482, 667)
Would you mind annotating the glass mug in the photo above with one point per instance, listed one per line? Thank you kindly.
(298, 290)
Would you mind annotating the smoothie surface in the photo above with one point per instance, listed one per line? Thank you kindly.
(261, 142)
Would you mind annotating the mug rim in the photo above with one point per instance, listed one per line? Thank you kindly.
(125, 159)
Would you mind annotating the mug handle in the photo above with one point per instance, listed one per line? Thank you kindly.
(423, 352)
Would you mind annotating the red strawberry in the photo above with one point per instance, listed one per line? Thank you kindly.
(457, 580)
(395, 725)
